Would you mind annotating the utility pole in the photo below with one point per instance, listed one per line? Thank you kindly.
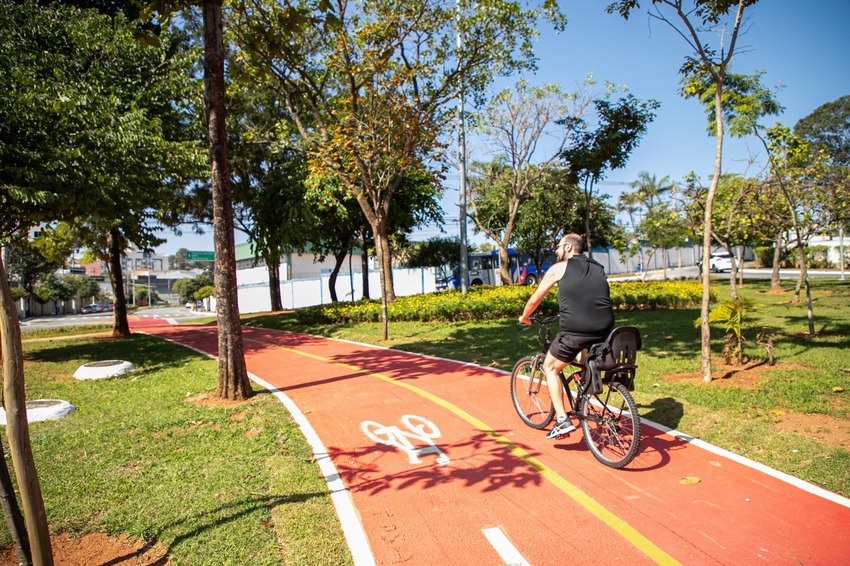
(461, 142)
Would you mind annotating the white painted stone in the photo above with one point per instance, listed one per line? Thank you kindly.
(103, 370)
(43, 410)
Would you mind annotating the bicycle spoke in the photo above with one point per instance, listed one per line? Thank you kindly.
(611, 426)
(530, 394)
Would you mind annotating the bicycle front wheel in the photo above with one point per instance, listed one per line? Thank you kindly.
(611, 425)
(530, 393)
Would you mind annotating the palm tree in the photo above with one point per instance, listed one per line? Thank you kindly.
(648, 193)
(649, 190)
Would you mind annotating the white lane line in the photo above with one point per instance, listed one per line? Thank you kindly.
(506, 550)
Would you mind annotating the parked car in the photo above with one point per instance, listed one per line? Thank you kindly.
(719, 261)
(90, 309)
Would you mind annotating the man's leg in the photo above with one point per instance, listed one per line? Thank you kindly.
(552, 367)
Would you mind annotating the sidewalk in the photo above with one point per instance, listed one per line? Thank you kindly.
(428, 464)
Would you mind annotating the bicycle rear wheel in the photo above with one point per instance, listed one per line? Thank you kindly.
(611, 425)
(530, 393)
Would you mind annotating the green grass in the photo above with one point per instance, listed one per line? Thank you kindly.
(141, 456)
(66, 331)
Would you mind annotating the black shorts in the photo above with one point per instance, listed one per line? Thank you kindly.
(567, 345)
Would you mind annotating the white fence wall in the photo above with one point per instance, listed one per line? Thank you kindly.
(648, 260)
(253, 285)
(297, 293)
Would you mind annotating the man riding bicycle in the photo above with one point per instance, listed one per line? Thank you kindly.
(585, 316)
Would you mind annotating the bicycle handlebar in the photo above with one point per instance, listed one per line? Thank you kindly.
(547, 320)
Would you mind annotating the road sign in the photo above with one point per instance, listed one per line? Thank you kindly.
(200, 256)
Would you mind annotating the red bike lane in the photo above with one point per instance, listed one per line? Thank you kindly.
(440, 470)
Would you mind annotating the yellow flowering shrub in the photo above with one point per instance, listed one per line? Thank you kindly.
(484, 303)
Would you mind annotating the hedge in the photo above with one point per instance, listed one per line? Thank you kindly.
(490, 303)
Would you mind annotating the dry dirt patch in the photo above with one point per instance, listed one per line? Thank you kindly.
(748, 375)
(99, 550)
(824, 428)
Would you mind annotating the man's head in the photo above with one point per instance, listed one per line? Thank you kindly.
(569, 246)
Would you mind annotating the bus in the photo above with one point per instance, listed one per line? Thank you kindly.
(484, 269)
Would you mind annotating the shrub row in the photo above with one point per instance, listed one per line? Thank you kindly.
(488, 303)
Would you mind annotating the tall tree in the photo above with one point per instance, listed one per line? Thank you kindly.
(796, 168)
(557, 208)
(517, 122)
(270, 187)
(592, 152)
(693, 21)
(828, 127)
(371, 85)
(660, 224)
(233, 382)
(36, 184)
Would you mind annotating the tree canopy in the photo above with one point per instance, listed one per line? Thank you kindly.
(371, 85)
(828, 127)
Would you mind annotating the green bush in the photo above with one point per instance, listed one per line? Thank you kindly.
(764, 256)
(491, 303)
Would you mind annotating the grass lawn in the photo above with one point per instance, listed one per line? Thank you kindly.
(151, 455)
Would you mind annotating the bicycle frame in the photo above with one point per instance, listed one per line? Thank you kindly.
(608, 414)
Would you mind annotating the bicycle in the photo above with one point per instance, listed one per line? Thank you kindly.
(597, 393)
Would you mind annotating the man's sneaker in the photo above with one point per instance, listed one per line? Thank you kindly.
(562, 427)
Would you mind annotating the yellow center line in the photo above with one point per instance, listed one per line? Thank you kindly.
(624, 529)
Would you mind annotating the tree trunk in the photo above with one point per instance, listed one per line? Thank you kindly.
(799, 284)
(364, 263)
(804, 279)
(233, 380)
(115, 241)
(385, 263)
(733, 275)
(505, 263)
(705, 329)
(12, 514)
(273, 266)
(382, 249)
(775, 285)
(339, 258)
(17, 428)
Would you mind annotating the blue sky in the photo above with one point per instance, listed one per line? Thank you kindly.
(802, 45)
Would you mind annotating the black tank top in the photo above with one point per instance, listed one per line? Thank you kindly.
(584, 300)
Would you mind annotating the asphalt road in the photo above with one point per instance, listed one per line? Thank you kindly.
(61, 321)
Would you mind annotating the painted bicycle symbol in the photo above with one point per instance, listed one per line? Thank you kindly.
(420, 429)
